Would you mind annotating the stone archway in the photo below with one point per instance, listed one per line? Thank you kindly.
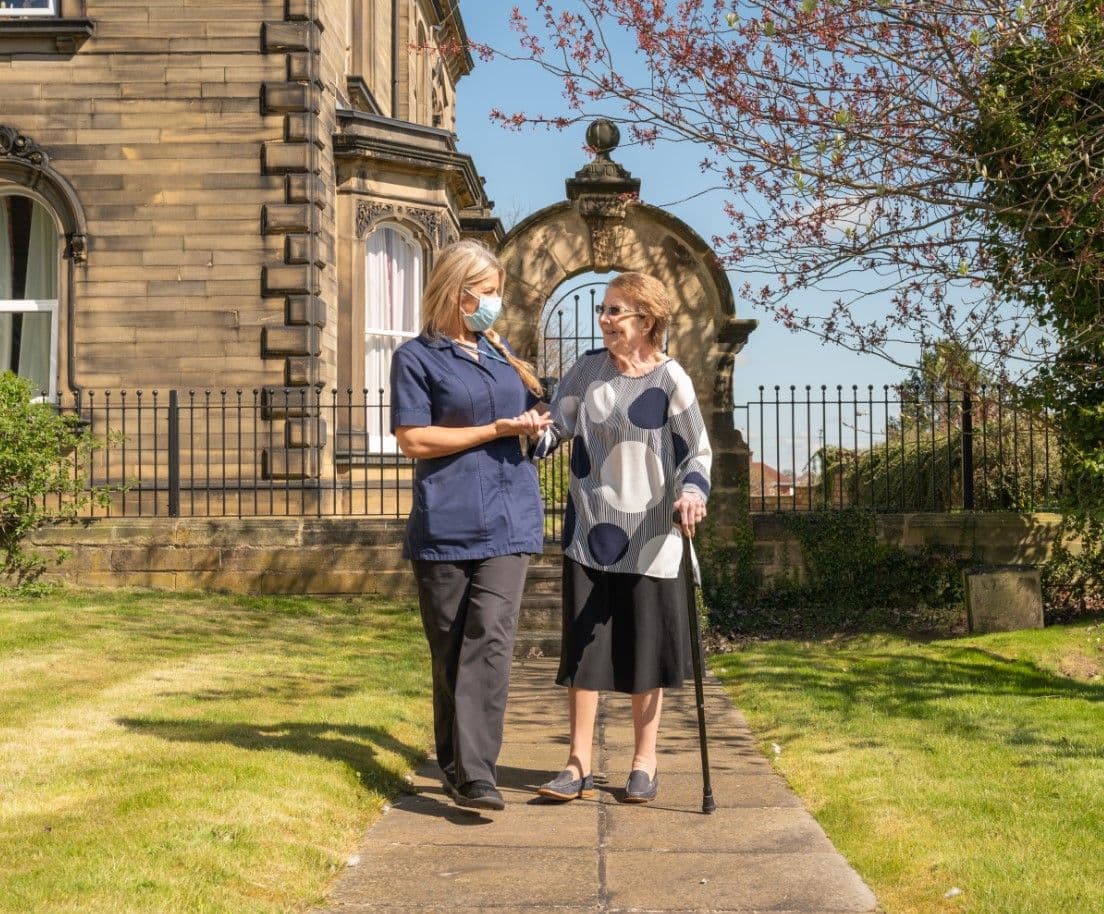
(602, 226)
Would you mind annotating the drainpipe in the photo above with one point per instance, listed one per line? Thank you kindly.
(395, 46)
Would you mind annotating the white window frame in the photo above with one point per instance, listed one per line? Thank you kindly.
(37, 306)
(14, 12)
(387, 444)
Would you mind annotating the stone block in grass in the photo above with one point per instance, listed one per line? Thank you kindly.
(1003, 599)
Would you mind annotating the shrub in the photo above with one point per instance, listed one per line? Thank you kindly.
(43, 455)
(851, 579)
(1073, 579)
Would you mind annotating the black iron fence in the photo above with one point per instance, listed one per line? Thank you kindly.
(213, 453)
(297, 452)
(894, 450)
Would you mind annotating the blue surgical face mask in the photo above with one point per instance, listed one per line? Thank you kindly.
(490, 306)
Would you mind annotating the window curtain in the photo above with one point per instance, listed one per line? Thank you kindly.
(42, 256)
(42, 267)
(377, 311)
(393, 294)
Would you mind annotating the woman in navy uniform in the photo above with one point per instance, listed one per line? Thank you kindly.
(460, 399)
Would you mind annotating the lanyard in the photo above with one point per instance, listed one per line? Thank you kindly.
(493, 353)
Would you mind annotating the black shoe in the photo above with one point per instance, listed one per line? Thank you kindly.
(565, 786)
(480, 795)
(639, 789)
(449, 783)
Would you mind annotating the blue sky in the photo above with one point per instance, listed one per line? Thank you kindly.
(525, 171)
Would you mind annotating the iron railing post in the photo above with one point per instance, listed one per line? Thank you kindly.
(174, 455)
(967, 452)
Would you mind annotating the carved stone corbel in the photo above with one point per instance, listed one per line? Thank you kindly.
(76, 247)
(14, 144)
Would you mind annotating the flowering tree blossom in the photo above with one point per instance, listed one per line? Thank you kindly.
(841, 135)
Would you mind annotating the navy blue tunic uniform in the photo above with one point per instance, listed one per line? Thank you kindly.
(484, 501)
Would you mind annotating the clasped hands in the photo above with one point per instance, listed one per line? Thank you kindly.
(531, 423)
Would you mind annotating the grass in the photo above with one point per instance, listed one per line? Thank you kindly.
(198, 753)
(974, 764)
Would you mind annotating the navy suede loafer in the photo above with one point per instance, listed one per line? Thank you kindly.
(639, 789)
(480, 795)
(565, 786)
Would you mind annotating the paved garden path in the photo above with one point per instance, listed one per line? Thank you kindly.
(760, 851)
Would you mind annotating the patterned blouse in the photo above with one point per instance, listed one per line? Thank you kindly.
(637, 444)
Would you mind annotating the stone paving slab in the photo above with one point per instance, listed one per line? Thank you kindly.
(759, 852)
(574, 824)
(711, 879)
(456, 877)
(748, 830)
(682, 792)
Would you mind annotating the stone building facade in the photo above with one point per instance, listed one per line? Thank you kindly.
(200, 194)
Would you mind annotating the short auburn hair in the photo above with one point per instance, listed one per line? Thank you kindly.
(648, 296)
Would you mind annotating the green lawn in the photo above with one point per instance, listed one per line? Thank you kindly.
(166, 753)
(974, 764)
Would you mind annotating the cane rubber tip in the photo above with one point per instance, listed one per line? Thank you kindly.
(708, 805)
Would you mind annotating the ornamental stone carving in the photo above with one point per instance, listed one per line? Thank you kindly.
(602, 191)
(368, 213)
(434, 225)
(14, 144)
(25, 164)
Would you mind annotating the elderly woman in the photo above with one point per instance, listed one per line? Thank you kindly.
(639, 457)
(459, 401)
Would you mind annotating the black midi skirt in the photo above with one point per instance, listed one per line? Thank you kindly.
(623, 632)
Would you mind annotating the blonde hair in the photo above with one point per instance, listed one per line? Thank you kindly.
(650, 297)
(455, 268)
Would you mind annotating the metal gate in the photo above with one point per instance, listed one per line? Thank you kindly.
(569, 327)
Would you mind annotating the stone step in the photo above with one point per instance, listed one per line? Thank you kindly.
(539, 616)
(541, 601)
(531, 620)
(537, 643)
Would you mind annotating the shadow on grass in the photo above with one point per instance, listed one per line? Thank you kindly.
(966, 692)
(354, 746)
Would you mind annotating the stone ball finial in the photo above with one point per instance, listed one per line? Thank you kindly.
(603, 136)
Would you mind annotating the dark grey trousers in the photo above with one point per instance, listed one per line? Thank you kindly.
(470, 613)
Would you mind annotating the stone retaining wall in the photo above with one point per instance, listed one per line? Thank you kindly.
(238, 555)
(363, 555)
(992, 538)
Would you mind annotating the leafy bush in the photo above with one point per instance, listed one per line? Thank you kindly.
(42, 459)
(1073, 580)
(850, 580)
(1016, 468)
(730, 578)
(554, 476)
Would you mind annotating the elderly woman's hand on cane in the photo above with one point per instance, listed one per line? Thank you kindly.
(690, 510)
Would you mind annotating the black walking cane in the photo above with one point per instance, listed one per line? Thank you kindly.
(692, 594)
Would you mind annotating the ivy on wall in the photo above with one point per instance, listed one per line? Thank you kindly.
(841, 577)
(844, 578)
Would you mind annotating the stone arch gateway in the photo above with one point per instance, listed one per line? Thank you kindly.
(604, 226)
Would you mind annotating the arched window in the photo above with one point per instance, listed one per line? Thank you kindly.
(393, 270)
(29, 260)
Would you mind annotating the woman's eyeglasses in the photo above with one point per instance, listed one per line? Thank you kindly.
(614, 311)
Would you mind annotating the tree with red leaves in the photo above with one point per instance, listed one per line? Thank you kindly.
(843, 137)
